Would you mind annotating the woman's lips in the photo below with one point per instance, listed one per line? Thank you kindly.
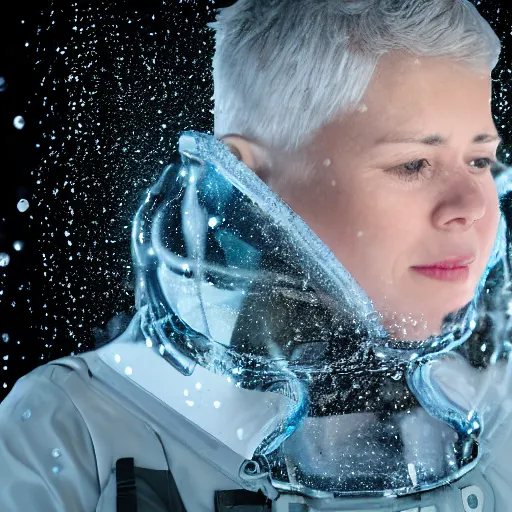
(444, 274)
(452, 269)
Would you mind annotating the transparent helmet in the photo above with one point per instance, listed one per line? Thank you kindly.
(231, 279)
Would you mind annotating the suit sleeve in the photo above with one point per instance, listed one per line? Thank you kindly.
(47, 459)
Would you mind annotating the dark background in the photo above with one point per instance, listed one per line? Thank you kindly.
(105, 88)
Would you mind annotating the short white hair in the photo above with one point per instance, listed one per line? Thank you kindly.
(282, 69)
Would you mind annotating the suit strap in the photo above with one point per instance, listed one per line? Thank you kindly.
(126, 488)
(241, 501)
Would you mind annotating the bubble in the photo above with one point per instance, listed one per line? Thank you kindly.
(373, 316)
(22, 205)
(18, 245)
(26, 415)
(3, 84)
(5, 337)
(4, 259)
(56, 453)
(19, 122)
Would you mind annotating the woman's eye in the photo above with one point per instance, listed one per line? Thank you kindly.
(411, 170)
(483, 163)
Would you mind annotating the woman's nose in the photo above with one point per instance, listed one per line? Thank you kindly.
(460, 204)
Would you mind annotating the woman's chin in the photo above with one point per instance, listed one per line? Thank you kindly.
(426, 320)
(459, 304)
(409, 328)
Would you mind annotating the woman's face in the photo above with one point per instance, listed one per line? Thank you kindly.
(405, 182)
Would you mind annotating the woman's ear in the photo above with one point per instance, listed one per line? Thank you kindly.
(252, 154)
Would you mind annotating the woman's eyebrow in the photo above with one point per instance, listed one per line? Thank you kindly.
(435, 139)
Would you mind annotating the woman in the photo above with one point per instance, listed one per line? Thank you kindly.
(306, 337)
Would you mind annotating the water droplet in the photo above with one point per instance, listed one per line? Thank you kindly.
(327, 162)
(56, 469)
(190, 403)
(198, 386)
(240, 433)
(4, 259)
(483, 348)
(117, 358)
(216, 404)
(18, 246)
(397, 375)
(149, 343)
(213, 221)
(373, 316)
(128, 370)
(26, 415)
(5, 337)
(56, 453)
(3, 84)
(19, 122)
(22, 205)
